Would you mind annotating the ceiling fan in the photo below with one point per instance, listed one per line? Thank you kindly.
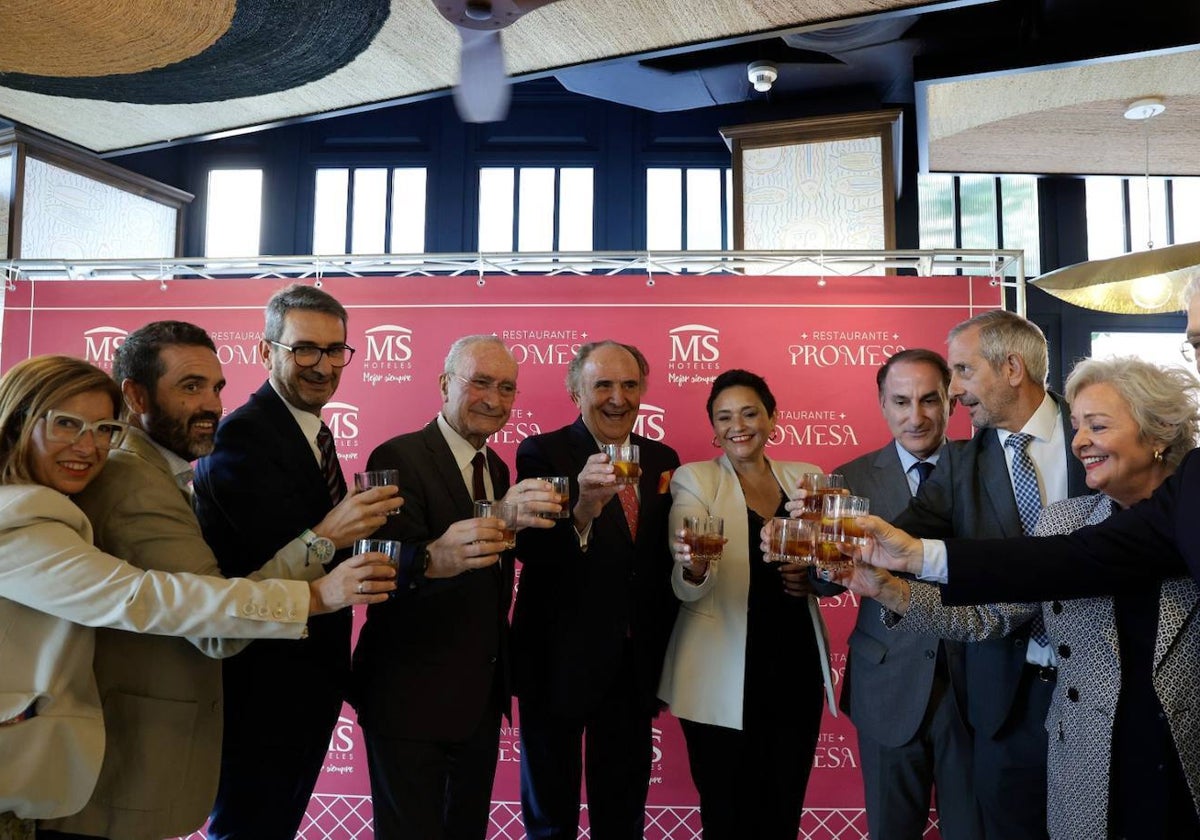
(482, 93)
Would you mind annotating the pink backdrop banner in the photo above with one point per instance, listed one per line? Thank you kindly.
(817, 342)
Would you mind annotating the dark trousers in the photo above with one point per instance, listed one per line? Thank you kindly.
(47, 834)
(1010, 767)
(898, 781)
(616, 741)
(431, 789)
(264, 790)
(752, 781)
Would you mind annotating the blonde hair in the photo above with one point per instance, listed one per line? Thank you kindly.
(1162, 400)
(30, 389)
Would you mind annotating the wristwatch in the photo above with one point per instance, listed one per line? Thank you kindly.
(320, 548)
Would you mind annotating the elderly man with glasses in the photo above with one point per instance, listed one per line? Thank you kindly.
(431, 666)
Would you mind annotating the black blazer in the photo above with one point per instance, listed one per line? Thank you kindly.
(1156, 538)
(576, 610)
(257, 491)
(426, 662)
(970, 493)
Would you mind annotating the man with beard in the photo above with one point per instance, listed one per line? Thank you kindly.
(162, 696)
(273, 471)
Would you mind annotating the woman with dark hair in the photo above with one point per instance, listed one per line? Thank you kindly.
(57, 424)
(750, 717)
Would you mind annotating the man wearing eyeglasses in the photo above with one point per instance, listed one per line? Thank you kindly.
(431, 665)
(163, 695)
(272, 473)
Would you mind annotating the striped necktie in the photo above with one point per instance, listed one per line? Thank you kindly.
(1029, 506)
(335, 482)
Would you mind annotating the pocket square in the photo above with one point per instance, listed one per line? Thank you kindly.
(664, 481)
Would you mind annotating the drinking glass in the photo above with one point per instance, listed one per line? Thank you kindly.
(506, 512)
(377, 478)
(838, 526)
(792, 541)
(624, 458)
(562, 486)
(706, 537)
(816, 487)
(389, 547)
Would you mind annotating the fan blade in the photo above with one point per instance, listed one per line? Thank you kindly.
(482, 94)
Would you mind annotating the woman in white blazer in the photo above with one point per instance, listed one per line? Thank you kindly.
(1123, 758)
(56, 427)
(747, 667)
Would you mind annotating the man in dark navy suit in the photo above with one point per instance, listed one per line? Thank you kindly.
(274, 473)
(594, 610)
(431, 666)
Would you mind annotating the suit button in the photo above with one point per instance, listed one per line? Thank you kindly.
(1019, 642)
(1073, 694)
(248, 609)
(263, 612)
(1056, 607)
(1064, 651)
(930, 654)
(279, 612)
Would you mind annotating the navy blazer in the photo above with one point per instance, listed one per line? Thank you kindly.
(257, 491)
(970, 493)
(427, 661)
(576, 611)
(1156, 538)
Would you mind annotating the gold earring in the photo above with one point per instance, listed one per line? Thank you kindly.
(1158, 455)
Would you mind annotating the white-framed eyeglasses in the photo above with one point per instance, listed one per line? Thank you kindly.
(65, 427)
(483, 385)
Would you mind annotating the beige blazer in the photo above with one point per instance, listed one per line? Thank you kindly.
(161, 696)
(704, 671)
(53, 582)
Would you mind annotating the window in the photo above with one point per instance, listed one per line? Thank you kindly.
(1125, 215)
(689, 209)
(233, 213)
(538, 208)
(981, 211)
(369, 210)
(1160, 348)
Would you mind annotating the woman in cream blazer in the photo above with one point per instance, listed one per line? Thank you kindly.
(56, 428)
(747, 666)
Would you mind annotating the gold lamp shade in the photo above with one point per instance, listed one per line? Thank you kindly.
(1144, 283)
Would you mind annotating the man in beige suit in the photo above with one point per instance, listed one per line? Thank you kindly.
(162, 696)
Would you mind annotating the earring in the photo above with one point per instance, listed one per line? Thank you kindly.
(714, 443)
(1158, 455)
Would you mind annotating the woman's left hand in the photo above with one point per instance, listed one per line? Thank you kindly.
(682, 552)
(796, 581)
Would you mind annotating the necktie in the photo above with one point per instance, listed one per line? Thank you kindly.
(1029, 506)
(330, 468)
(478, 488)
(629, 504)
(924, 469)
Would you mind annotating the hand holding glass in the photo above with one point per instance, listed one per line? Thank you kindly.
(838, 526)
(816, 487)
(562, 486)
(625, 458)
(706, 538)
(506, 512)
(377, 478)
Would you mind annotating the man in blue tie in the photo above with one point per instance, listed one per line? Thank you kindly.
(906, 692)
(990, 487)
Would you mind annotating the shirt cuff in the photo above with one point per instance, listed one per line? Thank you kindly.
(934, 567)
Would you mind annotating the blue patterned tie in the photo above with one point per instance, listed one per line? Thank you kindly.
(1029, 506)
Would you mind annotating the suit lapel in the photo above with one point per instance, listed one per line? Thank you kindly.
(890, 481)
(583, 446)
(997, 484)
(447, 468)
(289, 436)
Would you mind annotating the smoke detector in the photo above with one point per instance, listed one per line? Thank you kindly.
(762, 75)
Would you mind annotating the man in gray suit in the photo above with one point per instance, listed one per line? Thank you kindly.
(162, 695)
(998, 363)
(905, 693)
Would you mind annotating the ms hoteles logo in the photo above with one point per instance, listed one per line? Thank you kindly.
(695, 347)
(100, 345)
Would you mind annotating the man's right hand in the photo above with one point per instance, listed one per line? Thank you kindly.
(597, 484)
(891, 548)
(362, 579)
(359, 515)
(467, 544)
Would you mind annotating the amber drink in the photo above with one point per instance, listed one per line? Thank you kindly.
(625, 458)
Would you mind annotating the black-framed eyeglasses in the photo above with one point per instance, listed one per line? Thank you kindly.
(483, 385)
(309, 355)
(65, 427)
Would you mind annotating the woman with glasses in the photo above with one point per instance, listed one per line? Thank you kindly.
(56, 428)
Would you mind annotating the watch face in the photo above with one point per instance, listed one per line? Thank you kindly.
(323, 548)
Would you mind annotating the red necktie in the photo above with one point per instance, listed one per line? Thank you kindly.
(629, 504)
(330, 467)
